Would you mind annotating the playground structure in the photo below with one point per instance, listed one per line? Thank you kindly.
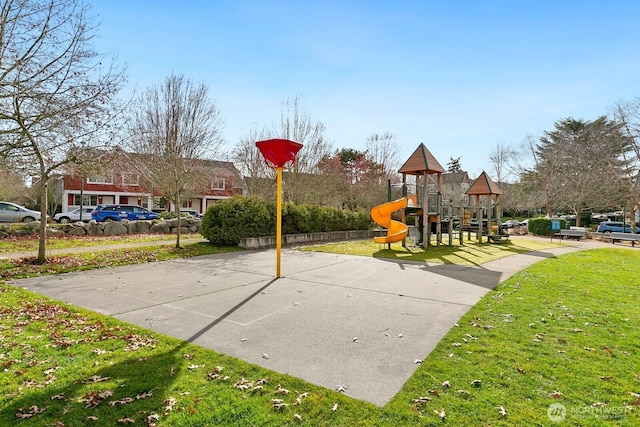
(484, 186)
(426, 211)
(396, 230)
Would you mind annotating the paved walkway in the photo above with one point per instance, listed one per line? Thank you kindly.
(331, 319)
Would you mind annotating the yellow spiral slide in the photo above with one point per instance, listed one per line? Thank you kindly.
(396, 230)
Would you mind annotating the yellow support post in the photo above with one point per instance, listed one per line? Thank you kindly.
(278, 220)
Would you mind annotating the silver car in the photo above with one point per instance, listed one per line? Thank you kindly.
(10, 212)
(73, 216)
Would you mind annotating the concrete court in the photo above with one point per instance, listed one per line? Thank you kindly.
(331, 319)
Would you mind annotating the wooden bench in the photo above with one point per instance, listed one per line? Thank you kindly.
(625, 236)
(577, 234)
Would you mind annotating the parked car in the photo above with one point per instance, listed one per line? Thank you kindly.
(614, 227)
(10, 212)
(194, 213)
(73, 216)
(511, 223)
(104, 213)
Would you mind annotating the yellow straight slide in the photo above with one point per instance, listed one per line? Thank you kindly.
(381, 214)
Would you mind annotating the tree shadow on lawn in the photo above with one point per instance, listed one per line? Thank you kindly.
(469, 254)
(134, 388)
(455, 262)
(138, 386)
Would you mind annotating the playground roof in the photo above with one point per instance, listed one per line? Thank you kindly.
(483, 186)
(421, 162)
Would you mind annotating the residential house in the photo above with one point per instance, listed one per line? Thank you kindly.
(453, 188)
(119, 184)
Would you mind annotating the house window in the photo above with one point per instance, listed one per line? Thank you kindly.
(218, 184)
(131, 179)
(87, 200)
(100, 179)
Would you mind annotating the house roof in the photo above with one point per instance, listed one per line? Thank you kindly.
(455, 177)
(421, 162)
(483, 186)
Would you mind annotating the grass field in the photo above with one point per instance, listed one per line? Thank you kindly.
(471, 253)
(557, 342)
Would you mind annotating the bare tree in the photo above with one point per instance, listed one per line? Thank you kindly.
(383, 150)
(55, 90)
(627, 113)
(586, 161)
(500, 158)
(258, 177)
(297, 125)
(302, 183)
(13, 187)
(538, 180)
(175, 127)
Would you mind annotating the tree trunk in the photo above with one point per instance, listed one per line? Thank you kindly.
(179, 220)
(42, 242)
(81, 196)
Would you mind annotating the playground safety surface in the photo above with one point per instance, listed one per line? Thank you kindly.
(333, 320)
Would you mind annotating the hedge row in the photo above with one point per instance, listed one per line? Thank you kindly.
(227, 222)
(542, 226)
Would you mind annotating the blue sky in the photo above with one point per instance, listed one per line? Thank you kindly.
(460, 76)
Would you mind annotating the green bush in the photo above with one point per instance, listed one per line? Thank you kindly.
(227, 222)
(542, 226)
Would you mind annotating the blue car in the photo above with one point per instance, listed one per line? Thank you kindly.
(103, 213)
(614, 227)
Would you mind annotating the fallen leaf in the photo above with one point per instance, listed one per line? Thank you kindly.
(421, 400)
(169, 404)
(95, 379)
(144, 395)
(281, 390)
(441, 413)
(192, 367)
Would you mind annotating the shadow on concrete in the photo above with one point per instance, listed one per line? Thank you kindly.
(230, 311)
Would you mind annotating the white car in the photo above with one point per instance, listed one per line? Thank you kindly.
(10, 212)
(73, 216)
(194, 213)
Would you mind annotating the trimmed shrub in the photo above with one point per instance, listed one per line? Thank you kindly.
(225, 223)
(542, 226)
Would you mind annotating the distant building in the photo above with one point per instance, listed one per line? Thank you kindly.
(119, 184)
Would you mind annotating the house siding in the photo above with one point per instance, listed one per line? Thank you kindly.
(116, 192)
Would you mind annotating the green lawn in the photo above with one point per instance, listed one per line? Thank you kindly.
(30, 243)
(471, 253)
(559, 339)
